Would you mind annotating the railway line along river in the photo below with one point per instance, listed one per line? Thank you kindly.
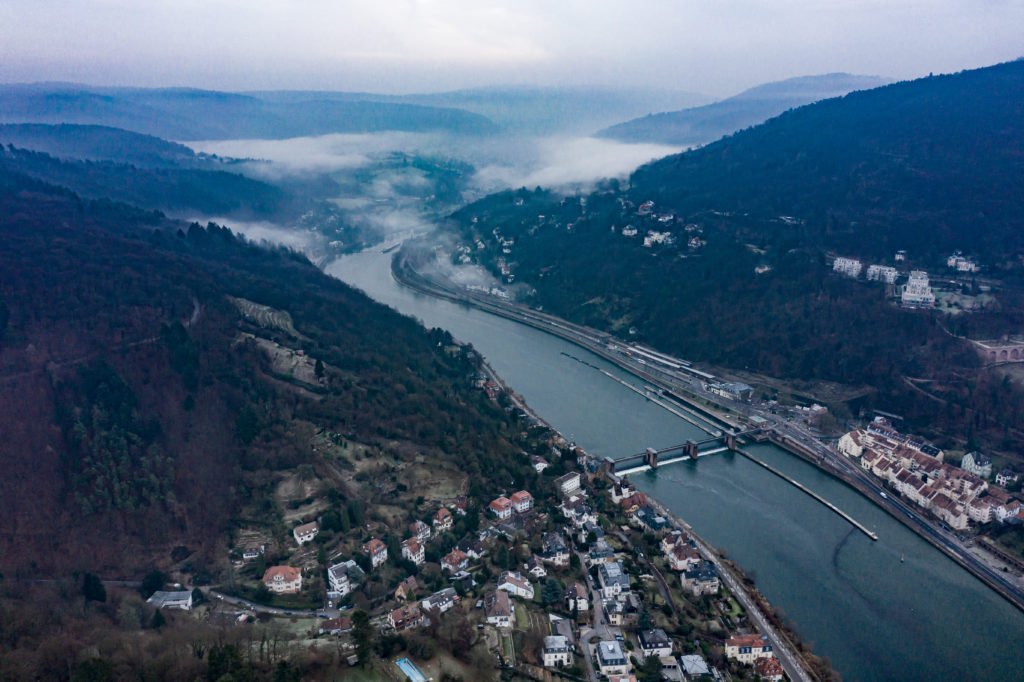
(852, 599)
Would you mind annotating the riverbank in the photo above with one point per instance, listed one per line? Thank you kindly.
(831, 463)
(744, 589)
(900, 513)
(791, 651)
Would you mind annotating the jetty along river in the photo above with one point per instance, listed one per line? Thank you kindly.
(852, 599)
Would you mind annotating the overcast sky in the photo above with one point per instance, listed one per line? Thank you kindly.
(716, 47)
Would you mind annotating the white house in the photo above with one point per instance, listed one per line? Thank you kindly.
(442, 520)
(576, 598)
(748, 648)
(515, 584)
(535, 567)
(420, 531)
(253, 552)
(440, 601)
(621, 490)
(850, 267)
(701, 579)
(554, 550)
(960, 263)
(882, 273)
(283, 579)
(413, 551)
(917, 293)
(522, 501)
(977, 463)
(654, 643)
(1006, 477)
(305, 533)
(569, 483)
(498, 608)
(557, 651)
(377, 551)
(455, 561)
(610, 659)
(613, 579)
(501, 507)
(341, 577)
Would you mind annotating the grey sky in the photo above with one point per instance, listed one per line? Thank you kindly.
(713, 46)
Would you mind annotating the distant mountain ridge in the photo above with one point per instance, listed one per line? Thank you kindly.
(578, 110)
(522, 109)
(191, 114)
(703, 124)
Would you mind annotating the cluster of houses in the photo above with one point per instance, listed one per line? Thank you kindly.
(917, 292)
(662, 220)
(343, 577)
(513, 514)
(622, 606)
(960, 263)
(914, 468)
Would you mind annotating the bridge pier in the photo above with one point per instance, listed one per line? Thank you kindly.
(691, 449)
(651, 458)
(730, 441)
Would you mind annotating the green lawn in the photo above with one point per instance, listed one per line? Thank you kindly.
(506, 647)
(522, 618)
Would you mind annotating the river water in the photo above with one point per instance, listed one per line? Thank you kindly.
(850, 598)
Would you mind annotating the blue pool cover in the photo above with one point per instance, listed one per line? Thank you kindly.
(411, 671)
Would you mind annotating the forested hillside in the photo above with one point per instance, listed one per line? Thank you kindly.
(145, 412)
(737, 272)
(167, 187)
(930, 166)
(96, 143)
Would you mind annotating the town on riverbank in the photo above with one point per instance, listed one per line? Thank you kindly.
(994, 558)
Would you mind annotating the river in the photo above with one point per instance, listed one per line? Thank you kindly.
(853, 600)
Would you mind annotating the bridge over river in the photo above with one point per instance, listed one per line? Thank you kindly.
(728, 441)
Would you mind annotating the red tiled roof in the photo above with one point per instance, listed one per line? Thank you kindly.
(768, 667)
(754, 640)
(636, 499)
(455, 557)
(374, 546)
(287, 573)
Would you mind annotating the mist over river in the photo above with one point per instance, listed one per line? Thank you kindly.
(850, 598)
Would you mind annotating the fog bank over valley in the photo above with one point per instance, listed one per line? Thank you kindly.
(386, 186)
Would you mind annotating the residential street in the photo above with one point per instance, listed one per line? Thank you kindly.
(788, 658)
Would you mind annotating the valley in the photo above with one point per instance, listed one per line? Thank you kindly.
(353, 385)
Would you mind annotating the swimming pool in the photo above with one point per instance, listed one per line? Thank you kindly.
(411, 671)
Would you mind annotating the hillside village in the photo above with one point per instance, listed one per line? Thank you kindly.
(664, 230)
(580, 576)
